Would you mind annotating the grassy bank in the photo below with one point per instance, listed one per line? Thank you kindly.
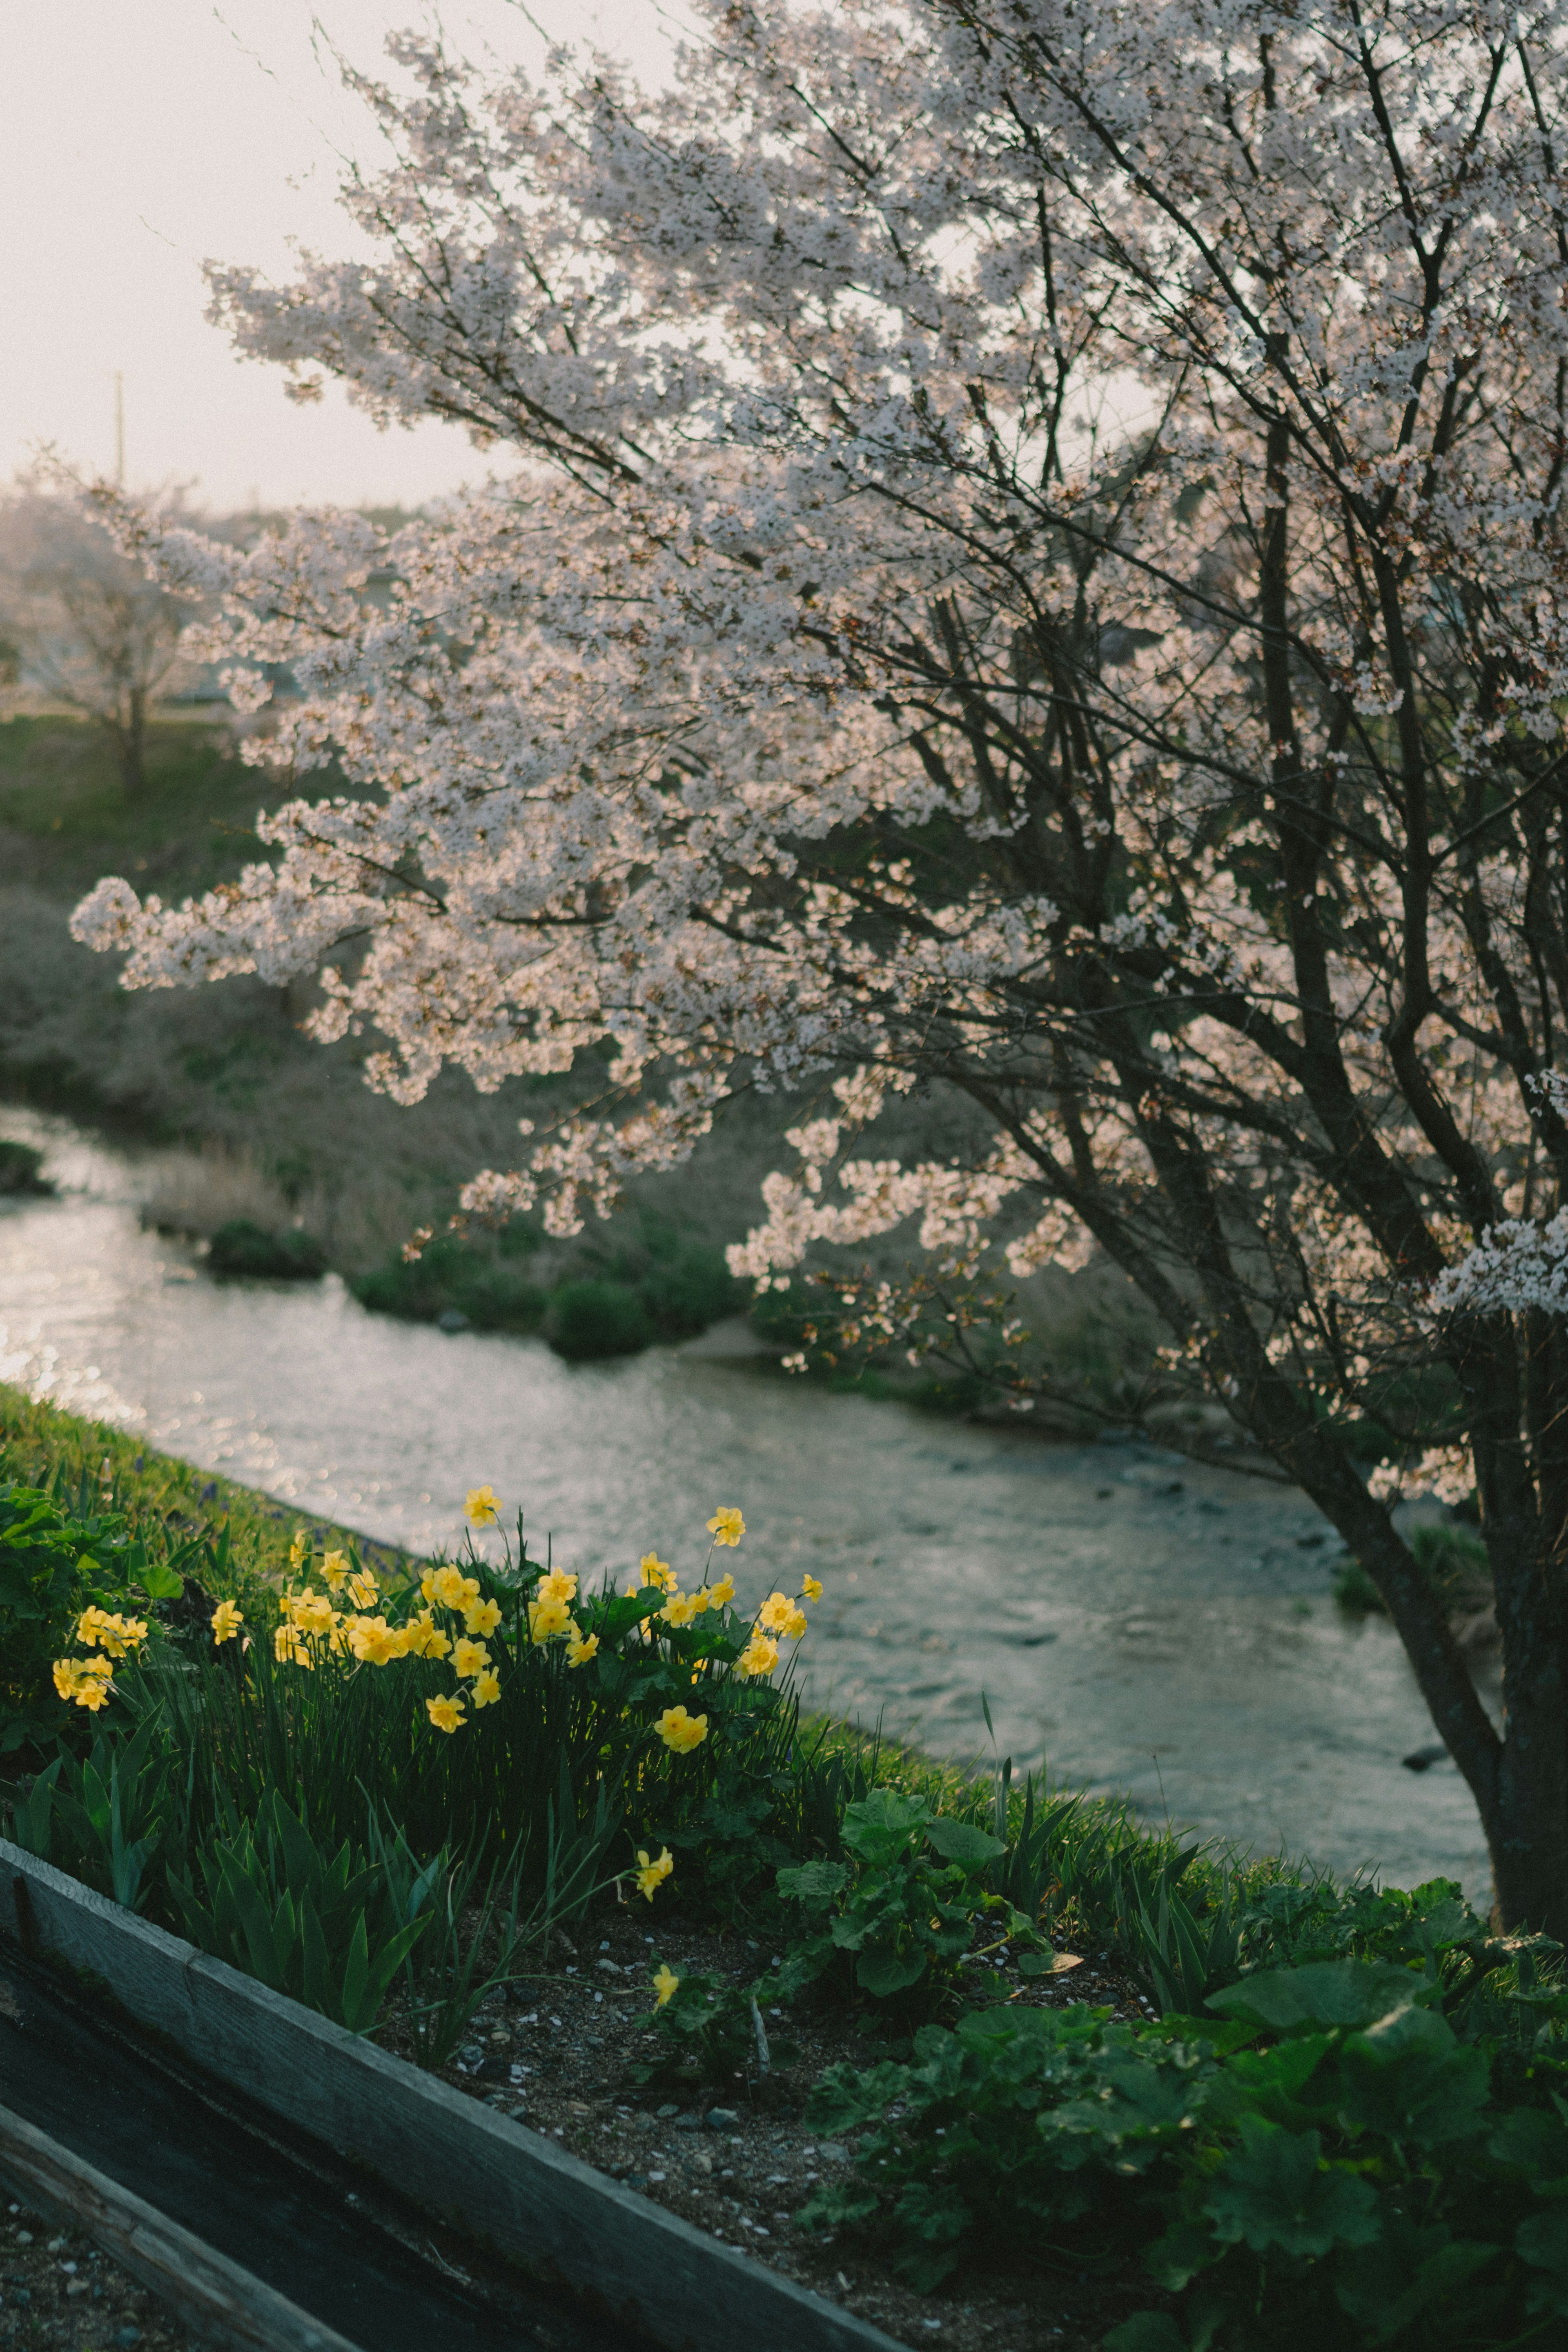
(413, 1795)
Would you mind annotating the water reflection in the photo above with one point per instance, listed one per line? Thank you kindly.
(1143, 1624)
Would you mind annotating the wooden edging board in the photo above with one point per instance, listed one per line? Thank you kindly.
(497, 2182)
(221, 2303)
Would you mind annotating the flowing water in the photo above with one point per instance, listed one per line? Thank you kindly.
(1138, 1622)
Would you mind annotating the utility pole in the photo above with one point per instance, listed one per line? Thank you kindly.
(119, 430)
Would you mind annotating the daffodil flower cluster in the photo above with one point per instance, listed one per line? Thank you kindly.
(311, 1625)
(654, 1640)
(88, 1682)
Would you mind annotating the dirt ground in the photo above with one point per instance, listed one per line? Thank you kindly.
(557, 2054)
(56, 2288)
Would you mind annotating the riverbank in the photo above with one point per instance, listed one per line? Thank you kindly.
(1023, 2023)
(1136, 1621)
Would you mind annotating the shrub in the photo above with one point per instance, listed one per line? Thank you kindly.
(1327, 2163)
(19, 1166)
(688, 1289)
(491, 1288)
(589, 1319)
(243, 1249)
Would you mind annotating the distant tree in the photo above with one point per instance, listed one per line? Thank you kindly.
(84, 625)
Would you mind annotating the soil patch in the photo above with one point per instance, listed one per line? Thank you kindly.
(56, 2288)
(560, 2053)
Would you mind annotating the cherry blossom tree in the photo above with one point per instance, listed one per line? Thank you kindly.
(1034, 566)
(83, 624)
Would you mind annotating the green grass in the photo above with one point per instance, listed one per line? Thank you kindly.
(39, 1443)
(60, 796)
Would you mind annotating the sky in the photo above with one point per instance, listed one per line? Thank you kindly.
(137, 141)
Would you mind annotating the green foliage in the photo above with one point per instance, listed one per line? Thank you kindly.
(1038, 2126)
(19, 1166)
(104, 1817)
(59, 1554)
(708, 2033)
(1333, 2165)
(660, 1284)
(901, 1921)
(1455, 1563)
(687, 1286)
(488, 1283)
(242, 1248)
(267, 1899)
(589, 1319)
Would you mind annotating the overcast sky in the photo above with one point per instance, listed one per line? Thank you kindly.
(138, 138)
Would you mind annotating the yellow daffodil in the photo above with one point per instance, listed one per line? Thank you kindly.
(794, 1625)
(299, 1551)
(334, 1569)
(546, 1619)
(469, 1657)
(653, 1570)
(483, 1616)
(428, 1586)
(682, 1732)
(426, 1639)
(361, 1587)
(556, 1586)
(726, 1527)
(117, 1635)
(93, 1686)
(581, 1647)
(760, 1655)
(372, 1639)
(665, 1981)
(483, 1506)
(681, 1608)
(651, 1875)
(719, 1595)
(487, 1688)
(450, 1588)
(226, 1621)
(67, 1676)
(775, 1612)
(311, 1612)
(810, 1587)
(290, 1644)
(445, 1714)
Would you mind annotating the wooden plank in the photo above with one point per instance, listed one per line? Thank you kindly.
(222, 2304)
(497, 2182)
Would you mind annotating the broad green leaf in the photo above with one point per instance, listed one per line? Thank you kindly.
(1542, 2243)
(159, 1582)
(1411, 2270)
(815, 1884)
(962, 1842)
(882, 1826)
(1409, 2079)
(886, 1971)
(1146, 2331)
(1324, 1992)
(1536, 2142)
(1277, 2194)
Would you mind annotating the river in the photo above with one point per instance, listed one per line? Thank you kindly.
(1136, 1621)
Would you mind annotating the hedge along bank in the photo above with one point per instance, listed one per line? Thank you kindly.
(1363, 2128)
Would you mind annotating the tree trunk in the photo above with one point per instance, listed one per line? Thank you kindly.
(130, 742)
